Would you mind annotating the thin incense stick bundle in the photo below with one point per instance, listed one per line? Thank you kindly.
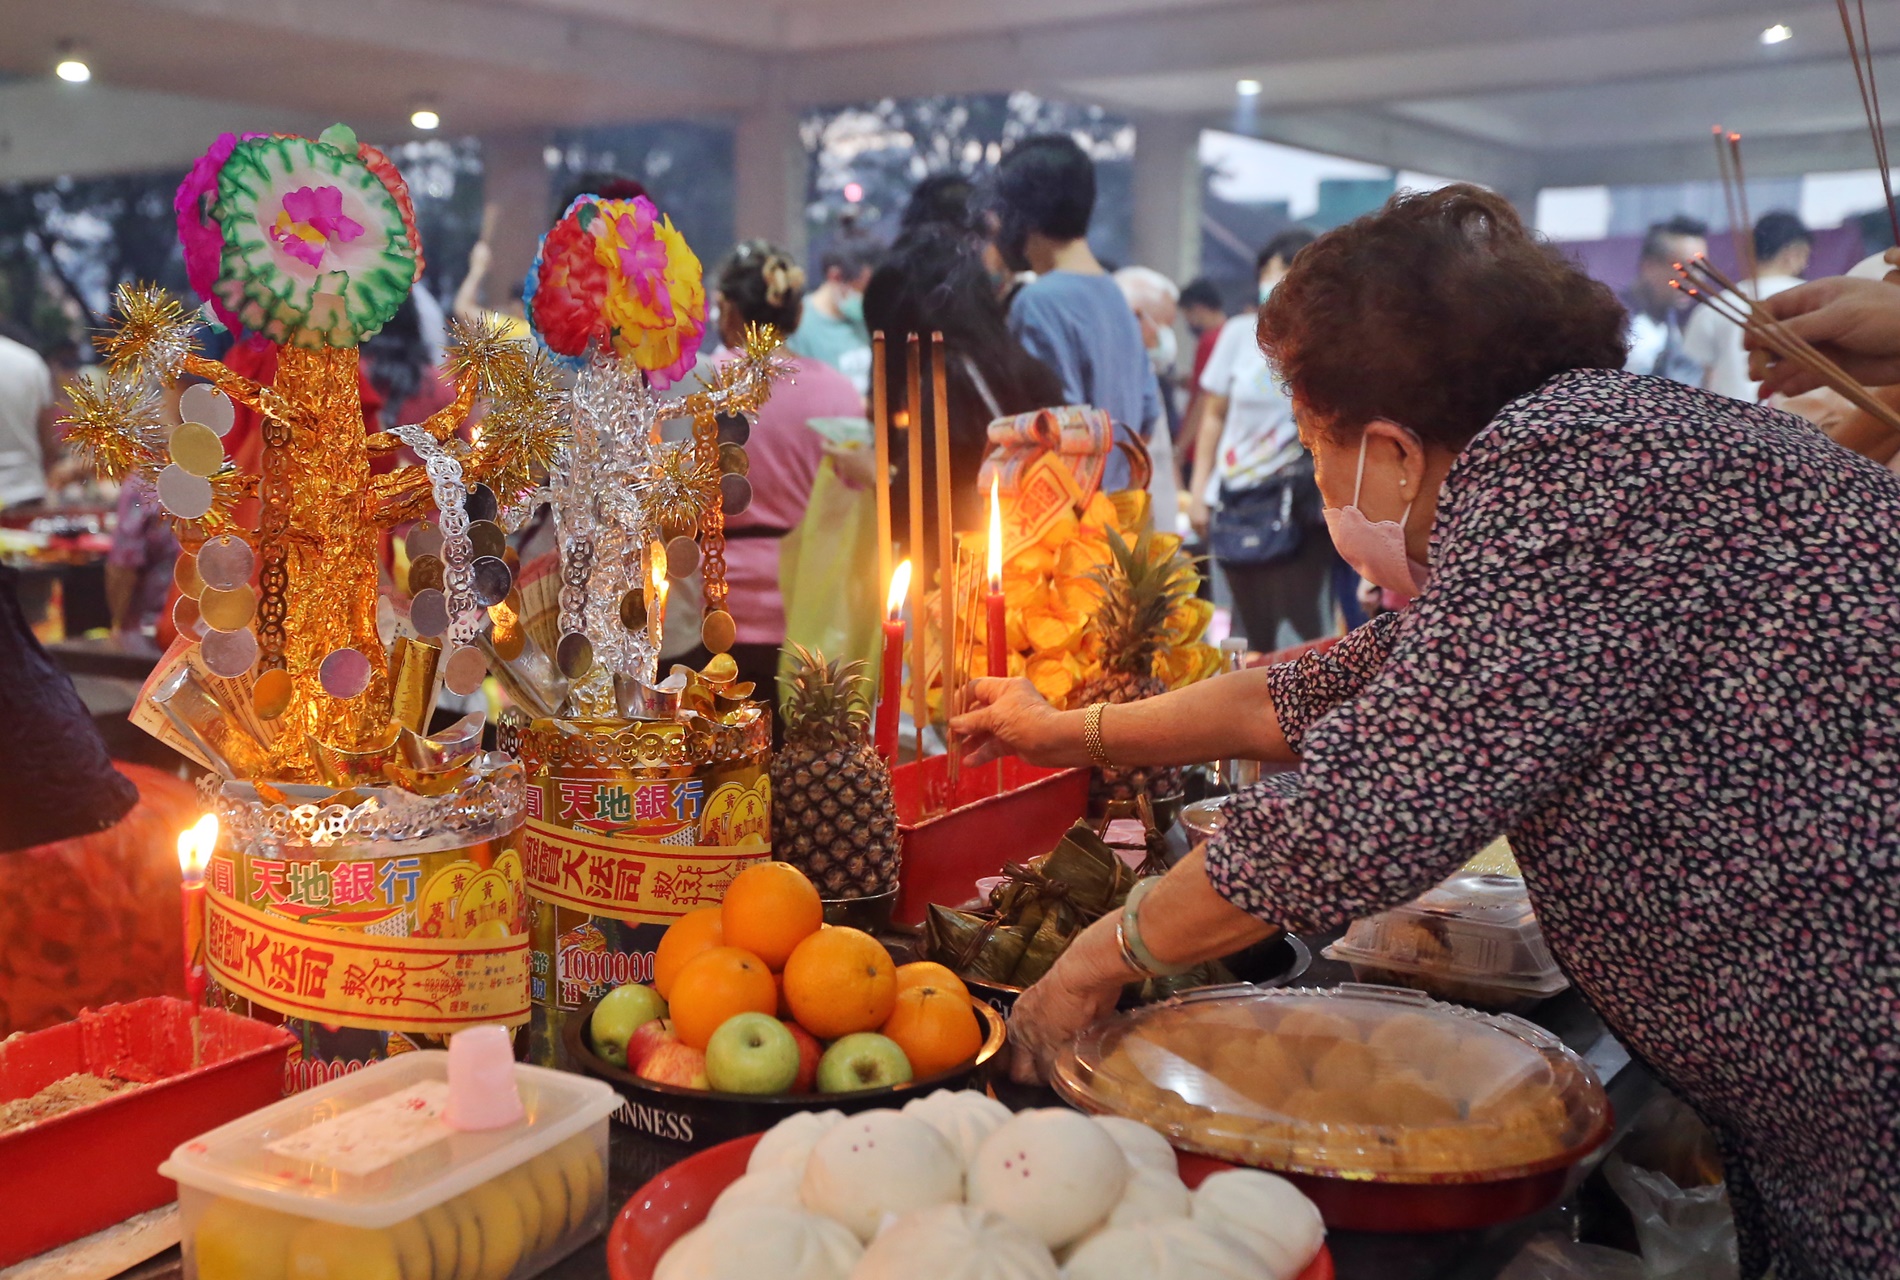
(914, 454)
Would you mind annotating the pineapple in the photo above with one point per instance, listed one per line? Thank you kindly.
(834, 816)
(1139, 592)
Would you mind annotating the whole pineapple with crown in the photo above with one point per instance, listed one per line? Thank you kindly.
(834, 816)
(1140, 590)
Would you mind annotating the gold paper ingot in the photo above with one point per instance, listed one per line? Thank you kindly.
(722, 670)
(509, 635)
(342, 767)
(413, 664)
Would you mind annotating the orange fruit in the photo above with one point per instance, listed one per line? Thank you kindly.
(769, 908)
(686, 937)
(838, 981)
(715, 985)
(928, 973)
(935, 1027)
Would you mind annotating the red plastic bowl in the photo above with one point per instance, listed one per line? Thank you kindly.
(89, 1168)
(679, 1199)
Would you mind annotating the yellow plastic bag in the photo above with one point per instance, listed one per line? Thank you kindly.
(827, 573)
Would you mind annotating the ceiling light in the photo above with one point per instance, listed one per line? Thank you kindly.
(1247, 88)
(853, 192)
(72, 66)
(425, 118)
(1777, 33)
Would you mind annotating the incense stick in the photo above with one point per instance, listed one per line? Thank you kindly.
(1722, 160)
(914, 454)
(946, 547)
(1860, 52)
(1748, 224)
(881, 445)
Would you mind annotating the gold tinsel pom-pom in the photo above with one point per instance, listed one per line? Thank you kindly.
(153, 334)
(480, 348)
(115, 425)
(527, 424)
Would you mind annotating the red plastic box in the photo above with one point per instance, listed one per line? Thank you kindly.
(86, 1169)
(950, 842)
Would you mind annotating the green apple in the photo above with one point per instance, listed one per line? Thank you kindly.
(866, 1060)
(751, 1053)
(618, 1015)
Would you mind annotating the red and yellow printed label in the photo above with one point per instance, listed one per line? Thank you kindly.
(634, 880)
(389, 983)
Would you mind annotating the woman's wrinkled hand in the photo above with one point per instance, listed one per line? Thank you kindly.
(1080, 990)
(1853, 322)
(1005, 718)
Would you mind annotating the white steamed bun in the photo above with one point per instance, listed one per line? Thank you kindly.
(1150, 1195)
(1054, 1171)
(955, 1242)
(762, 1243)
(963, 1116)
(1267, 1214)
(787, 1143)
(1142, 1145)
(1166, 1249)
(775, 1186)
(879, 1162)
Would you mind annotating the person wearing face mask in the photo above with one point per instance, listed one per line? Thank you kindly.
(1653, 643)
(1252, 496)
(832, 328)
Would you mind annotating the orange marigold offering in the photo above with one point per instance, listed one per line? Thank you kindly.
(684, 939)
(839, 981)
(769, 909)
(935, 1027)
(714, 986)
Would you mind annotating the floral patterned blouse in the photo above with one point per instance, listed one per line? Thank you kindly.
(1660, 649)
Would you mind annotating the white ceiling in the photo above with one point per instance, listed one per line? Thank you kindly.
(1520, 93)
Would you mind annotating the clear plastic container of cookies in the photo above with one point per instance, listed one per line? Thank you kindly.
(1474, 939)
(1356, 1082)
(361, 1178)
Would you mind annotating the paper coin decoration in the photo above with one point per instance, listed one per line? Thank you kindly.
(734, 428)
(732, 459)
(465, 670)
(225, 562)
(493, 582)
(735, 494)
(481, 504)
(718, 631)
(270, 696)
(429, 612)
(196, 449)
(185, 576)
(574, 655)
(185, 617)
(207, 404)
(229, 653)
(425, 539)
(633, 610)
(682, 558)
(182, 494)
(486, 537)
(228, 610)
(426, 573)
(344, 673)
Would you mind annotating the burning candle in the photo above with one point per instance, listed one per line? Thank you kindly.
(891, 691)
(996, 641)
(194, 850)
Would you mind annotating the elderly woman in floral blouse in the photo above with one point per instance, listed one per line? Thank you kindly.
(1656, 640)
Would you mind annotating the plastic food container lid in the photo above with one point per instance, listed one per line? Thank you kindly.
(1360, 1082)
(1474, 927)
(370, 1149)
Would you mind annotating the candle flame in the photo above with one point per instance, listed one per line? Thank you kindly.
(900, 587)
(996, 536)
(195, 844)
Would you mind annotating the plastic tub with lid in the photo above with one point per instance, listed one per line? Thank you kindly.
(1473, 939)
(1392, 1111)
(362, 1178)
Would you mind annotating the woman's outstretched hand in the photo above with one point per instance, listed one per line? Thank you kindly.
(1854, 322)
(1008, 718)
(1080, 989)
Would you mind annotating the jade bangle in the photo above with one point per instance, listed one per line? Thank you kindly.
(1128, 931)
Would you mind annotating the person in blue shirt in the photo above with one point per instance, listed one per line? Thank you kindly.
(1072, 316)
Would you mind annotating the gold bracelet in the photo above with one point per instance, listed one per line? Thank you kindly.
(1092, 735)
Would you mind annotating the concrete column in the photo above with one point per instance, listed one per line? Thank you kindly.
(1167, 196)
(518, 201)
(772, 179)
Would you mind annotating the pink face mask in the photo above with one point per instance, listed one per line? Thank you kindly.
(1376, 548)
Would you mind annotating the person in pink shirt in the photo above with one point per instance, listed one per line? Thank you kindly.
(761, 284)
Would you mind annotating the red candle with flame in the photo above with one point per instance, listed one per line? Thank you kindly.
(890, 692)
(194, 851)
(996, 641)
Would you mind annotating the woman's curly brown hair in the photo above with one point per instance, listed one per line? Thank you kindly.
(1434, 313)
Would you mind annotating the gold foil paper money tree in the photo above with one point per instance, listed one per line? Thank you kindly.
(312, 245)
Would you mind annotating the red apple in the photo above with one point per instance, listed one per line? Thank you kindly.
(809, 1051)
(676, 1064)
(647, 1037)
